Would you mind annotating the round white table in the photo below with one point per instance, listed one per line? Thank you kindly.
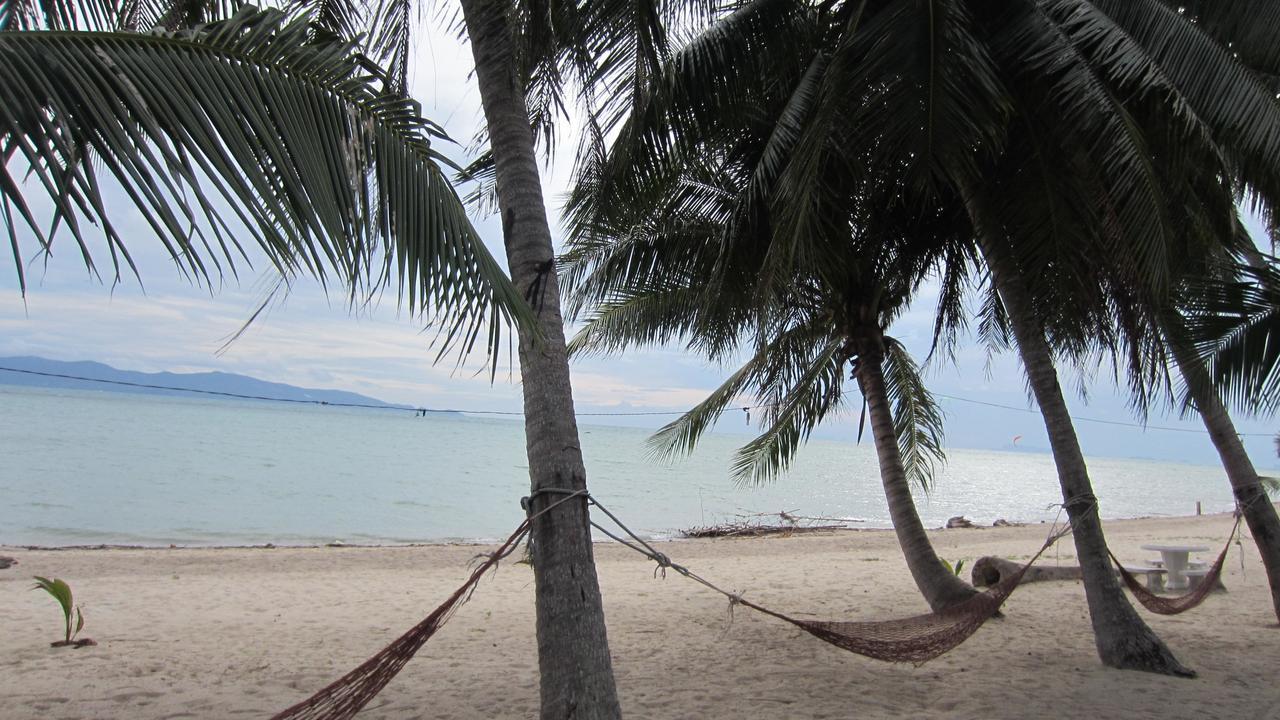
(1175, 562)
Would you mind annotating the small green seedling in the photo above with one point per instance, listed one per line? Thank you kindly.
(61, 592)
(955, 569)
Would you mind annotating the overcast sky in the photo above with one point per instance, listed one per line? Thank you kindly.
(314, 341)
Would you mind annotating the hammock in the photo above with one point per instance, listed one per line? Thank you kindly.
(344, 697)
(915, 639)
(1174, 605)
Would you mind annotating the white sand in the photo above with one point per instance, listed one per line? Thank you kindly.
(247, 632)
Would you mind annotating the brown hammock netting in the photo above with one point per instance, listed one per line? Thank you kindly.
(344, 697)
(915, 639)
(1174, 605)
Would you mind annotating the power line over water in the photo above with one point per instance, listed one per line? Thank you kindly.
(423, 411)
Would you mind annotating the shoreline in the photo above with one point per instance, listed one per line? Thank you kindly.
(484, 542)
(236, 631)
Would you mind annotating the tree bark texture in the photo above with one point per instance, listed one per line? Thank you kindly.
(941, 587)
(576, 673)
(1259, 513)
(1122, 638)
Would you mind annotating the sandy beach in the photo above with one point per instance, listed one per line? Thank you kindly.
(211, 633)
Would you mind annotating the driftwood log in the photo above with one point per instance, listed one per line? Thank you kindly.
(988, 570)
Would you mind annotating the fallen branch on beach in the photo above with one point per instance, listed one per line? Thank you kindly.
(754, 530)
(988, 570)
(751, 526)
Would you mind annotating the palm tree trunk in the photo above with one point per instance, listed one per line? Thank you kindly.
(576, 674)
(1259, 513)
(1122, 638)
(941, 587)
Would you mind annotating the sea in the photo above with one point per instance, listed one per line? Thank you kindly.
(83, 467)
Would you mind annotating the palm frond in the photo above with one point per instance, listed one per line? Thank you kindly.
(337, 19)
(917, 418)
(245, 129)
(1248, 27)
(26, 15)
(653, 317)
(808, 399)
(390, 35)
(681, 435)
(1233, 101)
(1236, 325)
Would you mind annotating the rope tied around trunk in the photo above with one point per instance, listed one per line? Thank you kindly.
(916, 639)
(344, 697)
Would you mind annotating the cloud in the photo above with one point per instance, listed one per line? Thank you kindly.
(603, 390)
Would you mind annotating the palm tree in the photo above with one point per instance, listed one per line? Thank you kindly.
(1237, 320)
(691, 262)
(1026, 112)
(576, 678)
(529, 56)
(199, 130)
(356, 188)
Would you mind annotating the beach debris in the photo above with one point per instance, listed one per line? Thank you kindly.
(336, 543)
(7, 562)
(959, 521)
(1001, 522)
(988, 571)
(754, 530)
(754, 525)
(61, 591)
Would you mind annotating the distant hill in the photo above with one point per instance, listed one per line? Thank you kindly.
(208, 382)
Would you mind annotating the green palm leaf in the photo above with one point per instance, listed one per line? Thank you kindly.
(245, 129)
(1236, 325)
(812, 393)
(917, 419)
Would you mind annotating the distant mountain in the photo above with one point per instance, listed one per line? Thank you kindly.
(59, 374)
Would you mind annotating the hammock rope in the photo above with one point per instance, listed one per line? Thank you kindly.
(344, 697)
(915, 639)
(1162, 605)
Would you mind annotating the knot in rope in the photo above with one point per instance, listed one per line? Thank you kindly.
(1083, 501)
(735, 599)
(663, 561)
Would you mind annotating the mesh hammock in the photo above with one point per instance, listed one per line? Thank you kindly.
(1173, 605)
(344, 697)
(915, 639)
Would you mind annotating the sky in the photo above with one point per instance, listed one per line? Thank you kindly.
(314, 340)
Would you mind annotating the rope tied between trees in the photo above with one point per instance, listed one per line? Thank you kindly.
(915, 639)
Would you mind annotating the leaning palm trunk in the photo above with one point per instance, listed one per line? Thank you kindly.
(1258, 511)
(1122, 638)
(573, 650)
(941, 587)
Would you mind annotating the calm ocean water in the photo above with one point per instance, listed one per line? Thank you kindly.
(85, 467)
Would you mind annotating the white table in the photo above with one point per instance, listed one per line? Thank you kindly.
(1175, 562)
